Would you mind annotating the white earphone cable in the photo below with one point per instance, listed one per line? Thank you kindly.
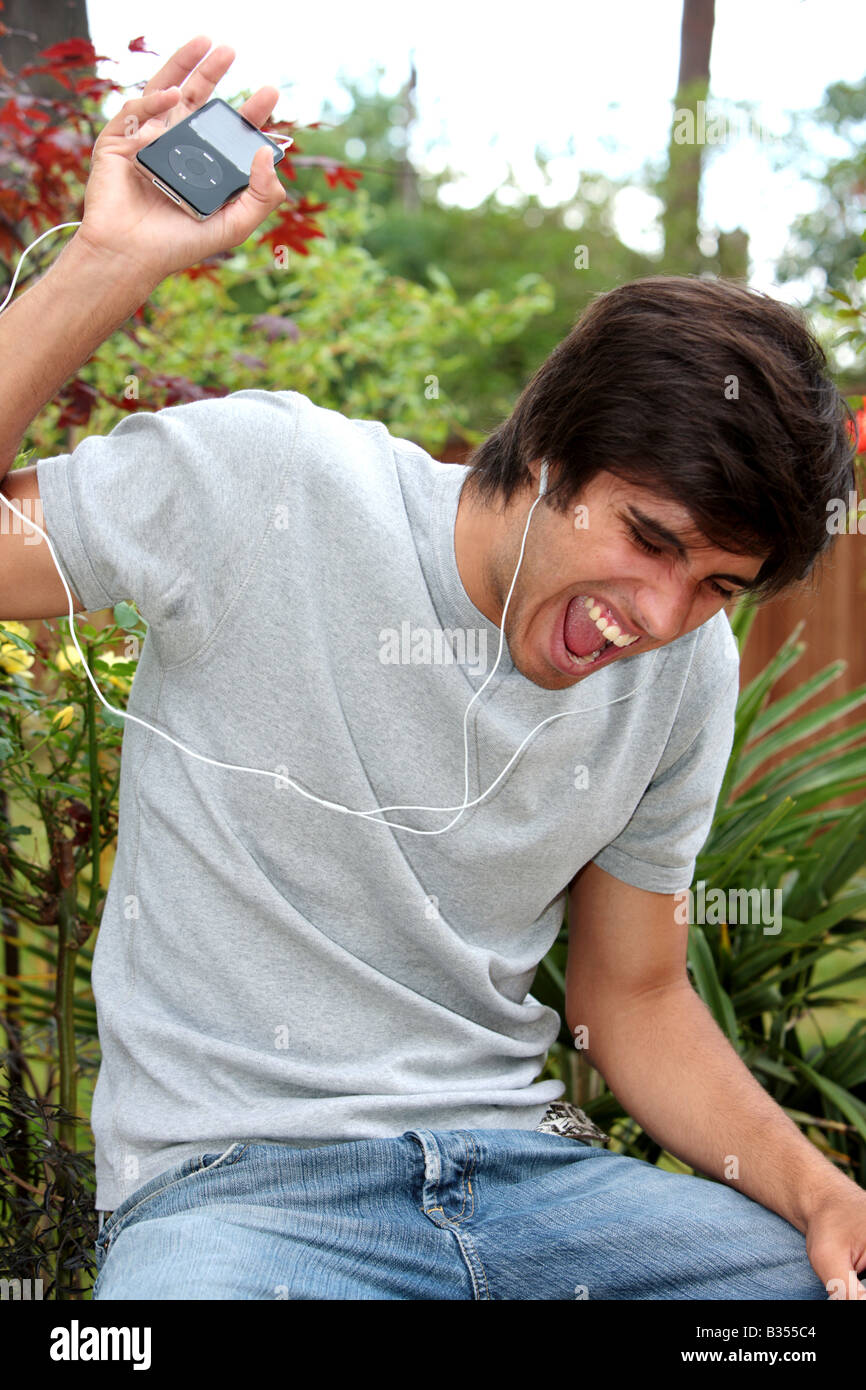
(265, 772)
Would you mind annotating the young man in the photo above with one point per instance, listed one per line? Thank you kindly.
(319, 1048)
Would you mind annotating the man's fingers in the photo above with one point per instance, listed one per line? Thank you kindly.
(136, 113)
(263, 196)
(837, 1273)
(179, 65)
(265, 188)
(260, 105)
(199, 86)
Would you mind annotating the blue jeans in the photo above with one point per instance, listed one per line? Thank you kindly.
(450, 1214)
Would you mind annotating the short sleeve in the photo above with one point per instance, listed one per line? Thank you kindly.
(658, 847)
(170, 508)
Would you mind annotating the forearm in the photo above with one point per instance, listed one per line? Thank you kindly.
(675, 1072)
(54, 326)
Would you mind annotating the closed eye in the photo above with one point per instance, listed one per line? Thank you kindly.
(650, 549)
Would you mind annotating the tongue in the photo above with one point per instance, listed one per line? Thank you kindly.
(582, 637)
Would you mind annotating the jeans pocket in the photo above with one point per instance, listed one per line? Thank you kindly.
(133, 1204)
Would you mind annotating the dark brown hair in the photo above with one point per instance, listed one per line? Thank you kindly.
(714, 395)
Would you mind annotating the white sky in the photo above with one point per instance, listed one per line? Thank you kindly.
(590, 82)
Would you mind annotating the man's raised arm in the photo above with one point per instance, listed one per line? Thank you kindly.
(131, 237)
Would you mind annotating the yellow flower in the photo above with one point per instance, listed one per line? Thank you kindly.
(64, 717)
(14, 660)
(111, 658)
(68, 657)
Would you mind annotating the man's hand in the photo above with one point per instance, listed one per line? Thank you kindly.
(130, 238)
(126, 217)
(836, 1240)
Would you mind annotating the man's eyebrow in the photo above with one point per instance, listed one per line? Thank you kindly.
(674, 542)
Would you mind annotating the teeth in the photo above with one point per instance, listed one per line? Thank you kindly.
(612, 631)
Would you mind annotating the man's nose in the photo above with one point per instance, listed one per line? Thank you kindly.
(662, 611)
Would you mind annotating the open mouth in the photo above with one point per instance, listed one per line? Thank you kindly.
(590, 631)
(592, 659)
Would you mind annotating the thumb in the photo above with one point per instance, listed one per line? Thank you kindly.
(836, 1270)
(265, 186)
(259, 199)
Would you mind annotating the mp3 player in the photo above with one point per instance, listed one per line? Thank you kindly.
(204, 162)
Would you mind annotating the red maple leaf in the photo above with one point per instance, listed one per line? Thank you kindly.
(11, 115)
(306, 205)
(283, 127)
(178, 389)
(137, 46)
(34, 70)
(295, 226)
(70, 53)
(77, 400)
(340, 174)
(73, 53)
(196, 272)
(96, 87)
(12, 205)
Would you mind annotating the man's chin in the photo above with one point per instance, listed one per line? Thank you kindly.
(549, 678)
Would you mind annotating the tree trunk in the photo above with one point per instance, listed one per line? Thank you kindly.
(409, 195)
(681, 186)
(31, 27)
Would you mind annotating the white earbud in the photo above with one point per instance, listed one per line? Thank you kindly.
(542, 479)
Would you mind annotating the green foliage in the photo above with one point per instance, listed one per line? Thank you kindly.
(370, 134)
(60, 771)
(415, 232)
(333, 325)
(510, 243)
(824, 241)
(46, 1195)
(844, 326)
(775, 828)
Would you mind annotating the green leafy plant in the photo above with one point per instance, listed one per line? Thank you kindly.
(60, 769)
(336, 327)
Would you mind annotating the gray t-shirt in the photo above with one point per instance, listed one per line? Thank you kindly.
(270, 969)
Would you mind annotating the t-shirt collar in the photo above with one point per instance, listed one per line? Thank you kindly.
(458, 606)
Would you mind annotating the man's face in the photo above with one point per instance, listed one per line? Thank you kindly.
(594, 555)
